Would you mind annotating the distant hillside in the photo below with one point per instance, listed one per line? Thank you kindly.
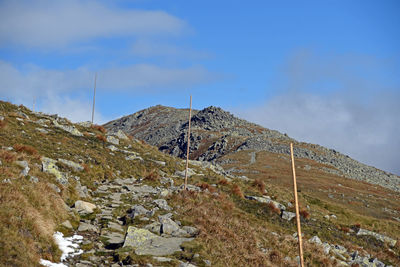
(217, 134)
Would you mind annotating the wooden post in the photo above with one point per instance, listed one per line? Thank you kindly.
(34, 102)
(94, 96)
(188, 145)
(297, 208)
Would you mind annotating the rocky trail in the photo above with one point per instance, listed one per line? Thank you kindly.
(151, 231)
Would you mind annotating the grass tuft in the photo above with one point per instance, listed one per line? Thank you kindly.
(25, 148)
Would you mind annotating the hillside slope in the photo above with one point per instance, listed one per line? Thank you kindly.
(217, 133)
(125, 199)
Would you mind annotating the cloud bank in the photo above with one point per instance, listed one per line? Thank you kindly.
(49, 23)
(359, 116)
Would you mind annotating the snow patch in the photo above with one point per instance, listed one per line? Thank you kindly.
(69, 247)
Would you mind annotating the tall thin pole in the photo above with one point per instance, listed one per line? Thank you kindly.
(297, 208)
(34, 102)
(188, 144)
(94, 96)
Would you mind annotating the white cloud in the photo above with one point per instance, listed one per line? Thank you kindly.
(147, 48)
(63, 92)
(32, 80)
(49, 23)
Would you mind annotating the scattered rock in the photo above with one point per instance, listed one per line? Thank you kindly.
(87, 227)
(49, 166)
(73, 165)
(23, 164)
(385, 239)
(67, 224)
(146, 243)
(111, 139)
(287, 215)
(84, 207)
(162, 204)
(315, 239)
(68, 128)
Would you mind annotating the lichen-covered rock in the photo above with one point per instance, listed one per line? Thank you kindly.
(68, 128)
(385, 239)
(162, 204)
(49, 166)
(267, 200)
(73, 165)
(146, 243)
(113, 140)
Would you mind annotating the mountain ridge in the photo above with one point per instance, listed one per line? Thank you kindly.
(216, 133)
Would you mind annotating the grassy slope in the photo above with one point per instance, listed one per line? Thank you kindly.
(233, 230)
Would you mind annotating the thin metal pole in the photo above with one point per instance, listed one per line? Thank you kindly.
(94, 96)
(188, 144)
(34, 102)
(297, 208)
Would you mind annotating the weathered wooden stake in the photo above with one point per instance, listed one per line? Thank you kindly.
(188, 144)
(94, 96)
(297, 208)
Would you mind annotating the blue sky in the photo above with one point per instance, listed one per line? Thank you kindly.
(326, 72)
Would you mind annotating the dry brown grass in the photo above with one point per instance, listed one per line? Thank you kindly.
(101, 138)
(8, 156)
(237, 191)
(206, 186)
(260, 185)
(151, 175)
(27, 222)
(305, 214)
(223, 230)
(26, 149)
(273, 208)
(3, 124)
(223, 182)
(99, 128)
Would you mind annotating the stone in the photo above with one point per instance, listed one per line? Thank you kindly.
(85, 124)
(267, 200)
(133, 157)
(207, 262)
(121, 135)
(87, 227)
(162, 204)
(138, 210)
(287, 215)
(81, 190)
(113, 240)
(315, 239)
(67, 224)
(154, 227)
(186, 264)
(73, 165)
(111, 139)
(68, 128)
(192, 231)
(168, 226)
(25, 166)
(144, 189)
(190, 172)
(55, 188)
(385, 239)
(84, 207)
(146, 243)
(162, 259)
(326, 247)
(41, 130)
(33, 179)
(49, 166)
(112, 148)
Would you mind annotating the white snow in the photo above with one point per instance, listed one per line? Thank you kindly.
(69, 247)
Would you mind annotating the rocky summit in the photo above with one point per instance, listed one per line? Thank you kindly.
(217, 134)
(87, 195)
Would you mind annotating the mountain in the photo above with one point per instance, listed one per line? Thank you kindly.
(121, 201)
(218, 136)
